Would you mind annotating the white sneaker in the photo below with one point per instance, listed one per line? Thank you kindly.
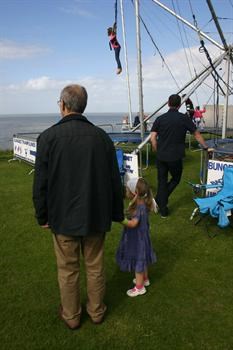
(134, 292)
(155, 206)
(146, 283)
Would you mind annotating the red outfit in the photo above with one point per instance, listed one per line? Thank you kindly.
(113, 41)
(198, 113)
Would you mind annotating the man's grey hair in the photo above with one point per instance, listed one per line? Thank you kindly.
(74, 97)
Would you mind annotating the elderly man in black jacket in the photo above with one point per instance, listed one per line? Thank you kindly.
(77, 193)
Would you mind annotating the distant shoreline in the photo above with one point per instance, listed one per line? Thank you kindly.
(32, 115)
(12, 124)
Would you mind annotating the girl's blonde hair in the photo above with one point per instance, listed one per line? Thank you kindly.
(144, 192)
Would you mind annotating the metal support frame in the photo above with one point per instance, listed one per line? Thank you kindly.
(205, 73)
(189, 24)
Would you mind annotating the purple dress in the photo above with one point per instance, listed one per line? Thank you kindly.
(135, 250)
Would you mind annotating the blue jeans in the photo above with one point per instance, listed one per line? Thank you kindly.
(117, 57)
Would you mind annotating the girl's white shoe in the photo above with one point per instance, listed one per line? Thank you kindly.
(134, 292)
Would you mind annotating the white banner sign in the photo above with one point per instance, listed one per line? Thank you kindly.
(24, 149)
(130, 166)
(215, 175)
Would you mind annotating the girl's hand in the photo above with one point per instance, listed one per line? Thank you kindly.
(124, 222)
(130, 223)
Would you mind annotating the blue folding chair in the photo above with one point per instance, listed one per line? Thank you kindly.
(219, 205)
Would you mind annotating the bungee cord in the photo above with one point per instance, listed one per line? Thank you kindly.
(157, 48)
(159, 52)
(203, 49)
(115, 7)
(216, 76)
(181, 38)
(184, 48)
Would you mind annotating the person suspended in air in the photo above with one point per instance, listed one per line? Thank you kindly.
(198, 117)
(189, 107)
(114, 44)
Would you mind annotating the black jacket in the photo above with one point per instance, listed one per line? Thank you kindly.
(77, 186)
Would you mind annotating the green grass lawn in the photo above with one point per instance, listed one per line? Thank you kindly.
(189, 304)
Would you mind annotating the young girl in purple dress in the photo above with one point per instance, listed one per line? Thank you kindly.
(135, 250)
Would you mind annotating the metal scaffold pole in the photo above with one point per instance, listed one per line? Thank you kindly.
(139, 67)
(225, 113)
(126, 62)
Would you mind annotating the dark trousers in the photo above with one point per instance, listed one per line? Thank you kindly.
(165, 187)
(117, 56)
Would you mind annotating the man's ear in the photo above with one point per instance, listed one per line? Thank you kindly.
(63, 106)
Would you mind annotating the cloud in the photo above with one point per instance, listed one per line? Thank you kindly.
(43, 83)
(48, 83)
(156, 70)
(75, 10)
(12, 50)
(110, 94)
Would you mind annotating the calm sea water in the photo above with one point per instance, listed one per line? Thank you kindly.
(13, 124)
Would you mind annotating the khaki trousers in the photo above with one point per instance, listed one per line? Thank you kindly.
(67, 250)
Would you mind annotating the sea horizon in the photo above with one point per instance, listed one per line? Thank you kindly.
(4, 115)
(12, 124)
